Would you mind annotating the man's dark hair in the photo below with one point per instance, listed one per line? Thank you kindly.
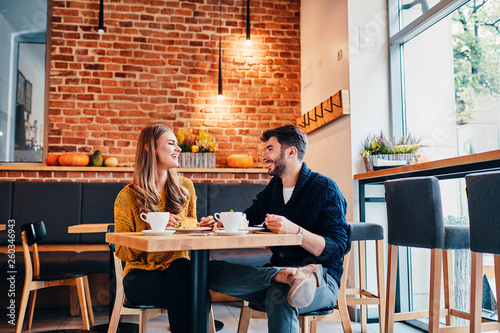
(289, 135)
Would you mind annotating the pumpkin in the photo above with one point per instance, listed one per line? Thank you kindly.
(74, 159)
(52, 160)
(239, 161)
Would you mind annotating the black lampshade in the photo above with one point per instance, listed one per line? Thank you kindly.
(101, 17)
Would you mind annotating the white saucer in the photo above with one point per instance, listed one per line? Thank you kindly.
(234, 233)
(158, 233)
(189, 230)
(252, 229)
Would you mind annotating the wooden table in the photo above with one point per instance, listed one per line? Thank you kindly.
(200, 246)
(89, 228)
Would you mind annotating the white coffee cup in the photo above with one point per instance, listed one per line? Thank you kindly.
(157, 220)
(230, 220)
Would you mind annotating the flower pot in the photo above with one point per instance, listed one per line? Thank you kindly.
(384, 161)
(197, 160)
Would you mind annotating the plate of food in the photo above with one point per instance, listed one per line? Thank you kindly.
(158, 233)
(188, 230)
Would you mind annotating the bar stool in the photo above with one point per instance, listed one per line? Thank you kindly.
(415, 219)
(362, 232)
(483, 191)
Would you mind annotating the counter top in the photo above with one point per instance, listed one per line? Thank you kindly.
(485, 160)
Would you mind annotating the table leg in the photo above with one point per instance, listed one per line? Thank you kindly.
(199, 291)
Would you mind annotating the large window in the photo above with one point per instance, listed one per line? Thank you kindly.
(445, 79)
(23, 41)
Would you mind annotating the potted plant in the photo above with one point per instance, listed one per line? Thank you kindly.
(381, 151)
(198, 151)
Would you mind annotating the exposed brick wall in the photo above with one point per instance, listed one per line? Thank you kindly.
(158, 62)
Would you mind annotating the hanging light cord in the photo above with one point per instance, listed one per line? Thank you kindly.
(220, 96)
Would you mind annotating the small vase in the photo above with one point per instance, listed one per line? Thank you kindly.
(197, 160)
(385, 161)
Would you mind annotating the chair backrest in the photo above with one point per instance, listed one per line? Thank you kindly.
(414, 212)
(31, 234)
(483, 196)
(35, 231)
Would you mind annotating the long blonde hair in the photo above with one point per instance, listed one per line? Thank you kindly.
(145, 171)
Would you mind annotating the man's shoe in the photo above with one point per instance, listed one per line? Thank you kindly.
(303, 285)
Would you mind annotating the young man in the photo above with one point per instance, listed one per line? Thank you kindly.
(299, 279)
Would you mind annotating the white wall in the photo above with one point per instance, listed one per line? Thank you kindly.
(323, 33)
(326, 27)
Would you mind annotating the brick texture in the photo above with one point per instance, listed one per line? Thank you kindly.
(157, 62)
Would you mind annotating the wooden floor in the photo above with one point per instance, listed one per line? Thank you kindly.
(228, 313)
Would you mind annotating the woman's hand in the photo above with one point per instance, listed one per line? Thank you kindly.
(174, 220)
(207, 221)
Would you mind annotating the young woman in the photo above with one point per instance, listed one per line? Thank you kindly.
(157, 278)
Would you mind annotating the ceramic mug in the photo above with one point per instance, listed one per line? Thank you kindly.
(157, 220)
(230, 220)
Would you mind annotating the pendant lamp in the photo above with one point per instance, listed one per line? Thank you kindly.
(220, 96)
(101, 18)
(248, 41)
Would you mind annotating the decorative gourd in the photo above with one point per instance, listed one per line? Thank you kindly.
(111, 162)
(74, 159)
(52, 160)
(239, 161)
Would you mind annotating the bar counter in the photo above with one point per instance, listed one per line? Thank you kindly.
(455, 167)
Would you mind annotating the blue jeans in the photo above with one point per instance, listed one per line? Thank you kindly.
(254, 284)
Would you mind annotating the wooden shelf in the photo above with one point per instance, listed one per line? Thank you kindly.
(18, 167)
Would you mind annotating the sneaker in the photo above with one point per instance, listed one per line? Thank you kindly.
(303, 285)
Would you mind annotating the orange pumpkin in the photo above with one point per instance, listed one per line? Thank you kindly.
(239, 161)
(52, 160)
(74, 159)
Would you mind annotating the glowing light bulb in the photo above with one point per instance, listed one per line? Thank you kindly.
(100, 31)
(220, 98)
(248, 42)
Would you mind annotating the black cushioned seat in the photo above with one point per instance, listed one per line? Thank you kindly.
(366, 231)
(5, 208)
(92, 261)
(224, 197)
(483, 193)
(98, 201)
(415, 219)
(57, 203)
(50, 262)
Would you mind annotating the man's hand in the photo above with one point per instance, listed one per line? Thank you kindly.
(280, 224)
(207, 221)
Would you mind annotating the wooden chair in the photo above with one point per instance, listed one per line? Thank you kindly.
(124, 307)
(483, 191)
(360, 233)
(415, 219)
(311, 318)
(31, 234)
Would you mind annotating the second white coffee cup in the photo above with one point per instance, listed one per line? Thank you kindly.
(157, 220)
(230, 220)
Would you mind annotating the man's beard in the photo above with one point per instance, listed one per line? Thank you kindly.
(279, 166)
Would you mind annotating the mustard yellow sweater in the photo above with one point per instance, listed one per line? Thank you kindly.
(127, 219)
